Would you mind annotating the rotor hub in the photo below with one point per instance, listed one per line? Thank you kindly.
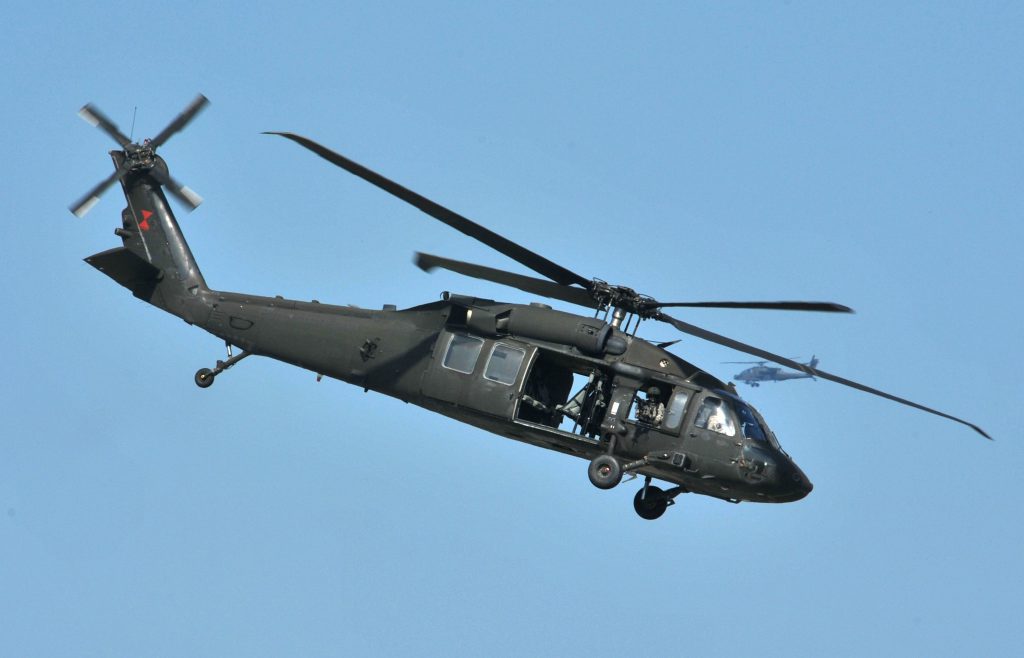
(139, 157)
(622, 297)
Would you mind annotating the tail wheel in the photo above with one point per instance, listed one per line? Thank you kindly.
(204, 378)
(650, 503)
(605, 472)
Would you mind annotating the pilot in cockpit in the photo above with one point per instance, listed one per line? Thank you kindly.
(713, 416)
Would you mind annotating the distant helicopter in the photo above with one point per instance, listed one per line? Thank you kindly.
(583, 386)
(765, 373)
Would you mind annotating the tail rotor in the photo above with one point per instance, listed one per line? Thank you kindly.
(140, 157)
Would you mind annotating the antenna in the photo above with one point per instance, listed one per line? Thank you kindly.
(131, 133)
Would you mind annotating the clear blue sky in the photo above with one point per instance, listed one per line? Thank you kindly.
(865, 153)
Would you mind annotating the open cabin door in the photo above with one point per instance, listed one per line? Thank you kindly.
(481, 374)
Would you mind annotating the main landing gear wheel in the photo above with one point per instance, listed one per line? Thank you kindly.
(204, 378)
(652, 504)
(605, 472)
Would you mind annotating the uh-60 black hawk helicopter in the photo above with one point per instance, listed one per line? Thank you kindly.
(583, 386)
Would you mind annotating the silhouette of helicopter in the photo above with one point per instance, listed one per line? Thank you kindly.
(504, 367)
(765, 373)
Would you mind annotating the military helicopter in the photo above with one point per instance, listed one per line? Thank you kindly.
(761, 372)
(585, 386)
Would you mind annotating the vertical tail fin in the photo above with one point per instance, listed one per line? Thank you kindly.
(155, 262)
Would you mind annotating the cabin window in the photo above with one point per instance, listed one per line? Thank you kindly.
(676, 409)
(503, 366)
(462, 353)
(713, 415)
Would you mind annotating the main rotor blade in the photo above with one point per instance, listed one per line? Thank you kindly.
(518, 253)
(804, 368)
(794, 358)
(427, 262)
(181, 192)
(180, 121)
(86, 203)
(825, 307)
(91, 114)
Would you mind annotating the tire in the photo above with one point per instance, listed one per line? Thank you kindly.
(605, 472)
(651, 506)
(204, 378)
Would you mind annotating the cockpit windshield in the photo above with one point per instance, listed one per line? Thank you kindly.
(767, 430)
(724, 416)
(753, 425)
(748, 422)
(727, 414)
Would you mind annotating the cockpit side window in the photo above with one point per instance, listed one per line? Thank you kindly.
(713, 415)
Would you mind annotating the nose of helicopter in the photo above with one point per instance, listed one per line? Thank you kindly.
(791, 482)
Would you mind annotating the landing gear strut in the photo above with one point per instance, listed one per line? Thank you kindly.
(650, 502)
(204, 376)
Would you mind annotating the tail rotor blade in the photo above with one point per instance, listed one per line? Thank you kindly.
(180, 121)
(182, 193)
(92, 115)
(83, 205)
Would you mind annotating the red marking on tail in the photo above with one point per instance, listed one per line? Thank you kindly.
(144, 224)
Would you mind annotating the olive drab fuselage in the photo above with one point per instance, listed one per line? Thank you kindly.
(402, 353)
